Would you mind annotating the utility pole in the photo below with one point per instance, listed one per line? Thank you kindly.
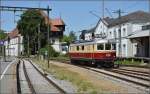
(28, 38)
(48, 31)
(119, 31)
(103, 8)
(21, 9)
(149, 48)
(149, 34)
(103, 17)
(39, 44)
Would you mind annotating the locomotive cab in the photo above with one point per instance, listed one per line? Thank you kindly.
(99, 53)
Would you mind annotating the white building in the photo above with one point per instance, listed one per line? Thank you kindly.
(134, 39)
(14, 45)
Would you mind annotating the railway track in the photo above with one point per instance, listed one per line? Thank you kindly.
(136, 71)
(38, 82)
(132, 73)
(138, 80)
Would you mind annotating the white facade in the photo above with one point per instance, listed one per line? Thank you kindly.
(101, 28)
(14, 47)
(88, 36)
(129, 49)
(57, 45)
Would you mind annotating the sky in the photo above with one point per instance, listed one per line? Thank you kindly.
(75, 13)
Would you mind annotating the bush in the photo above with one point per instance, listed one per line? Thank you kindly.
(52, 52)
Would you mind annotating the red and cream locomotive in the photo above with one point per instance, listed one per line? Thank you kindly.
(97, 52)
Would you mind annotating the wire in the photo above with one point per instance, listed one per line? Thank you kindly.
(108, 12)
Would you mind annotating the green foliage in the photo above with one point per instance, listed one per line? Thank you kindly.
(2, 35)
(127, 62)
(28, 26)
(52, 52)
(70, 38)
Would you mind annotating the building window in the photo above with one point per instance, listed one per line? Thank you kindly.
(110, 33)
(124, 29)
(146, 27)
(124, 49)
(124, 32)
(100, 46)
(115, 33)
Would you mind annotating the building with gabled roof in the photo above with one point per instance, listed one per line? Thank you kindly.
(135, 28)
(14, 42)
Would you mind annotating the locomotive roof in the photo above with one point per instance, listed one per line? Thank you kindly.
(89, 42)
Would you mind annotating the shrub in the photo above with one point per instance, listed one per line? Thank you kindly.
(52, 52)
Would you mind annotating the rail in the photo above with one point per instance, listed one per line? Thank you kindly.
(18, 78)
(28, 80)
(50, 81)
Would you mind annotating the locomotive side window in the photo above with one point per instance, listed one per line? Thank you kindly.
(113, 47)
(77, 48)
(100, 46)
(82, 47)
(107, 46)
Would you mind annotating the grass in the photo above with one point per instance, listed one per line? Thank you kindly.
(128, 62)
(62, 73)
(60, 58)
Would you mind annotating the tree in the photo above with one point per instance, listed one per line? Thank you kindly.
(70, 38)
(3, 35)
(28, 27)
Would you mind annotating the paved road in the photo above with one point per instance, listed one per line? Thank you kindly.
(8, 78)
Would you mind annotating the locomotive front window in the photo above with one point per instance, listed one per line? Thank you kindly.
(100, 47)
(107, 46)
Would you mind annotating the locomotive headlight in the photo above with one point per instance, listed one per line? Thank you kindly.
(108, 55)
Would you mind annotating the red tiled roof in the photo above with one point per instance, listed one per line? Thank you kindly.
(54, 28)
(53, 22)
(13, 33)
(53, 25)
(57, 21)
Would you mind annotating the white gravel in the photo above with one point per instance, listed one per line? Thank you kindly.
(64, 84)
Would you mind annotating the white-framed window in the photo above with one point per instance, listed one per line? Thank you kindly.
(124, 49)
(115, 34)
(124, 31)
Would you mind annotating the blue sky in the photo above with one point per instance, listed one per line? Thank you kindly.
(74, 13)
